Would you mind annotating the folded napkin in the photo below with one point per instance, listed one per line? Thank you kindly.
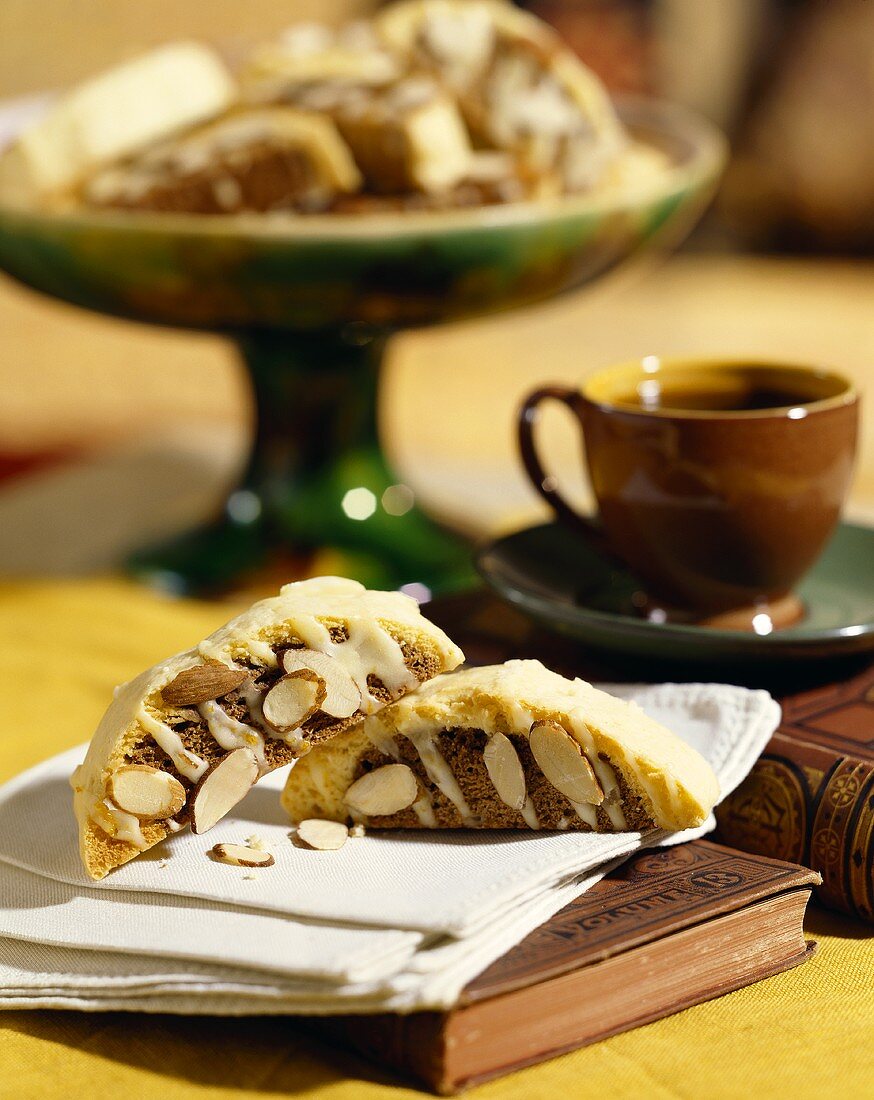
(395, 922)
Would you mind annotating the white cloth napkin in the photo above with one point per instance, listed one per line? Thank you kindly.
(387, 922)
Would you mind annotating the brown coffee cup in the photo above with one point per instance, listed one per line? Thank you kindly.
(717, 483)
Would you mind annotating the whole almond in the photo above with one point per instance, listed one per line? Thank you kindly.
(238, 855)
(561, 759)
(342, 697)
(325, 836)
(505, 771)
(201, 683)
(383, 791)
(293, 699)
(223, 786)
(147, 793)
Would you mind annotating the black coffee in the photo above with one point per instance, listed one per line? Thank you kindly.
(653, 396)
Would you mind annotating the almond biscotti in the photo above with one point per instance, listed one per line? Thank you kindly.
(519, 88)
(113, 116)
(185, 741)
(510, 746)
(258, 160)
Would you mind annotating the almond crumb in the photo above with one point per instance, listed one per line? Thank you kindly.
(357, 830)
(255, 842)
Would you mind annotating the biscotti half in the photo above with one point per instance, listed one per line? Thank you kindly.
(113, 116)
(262, 159)
(314, 55)
(519, 87)
(185, 741)
(511, 746)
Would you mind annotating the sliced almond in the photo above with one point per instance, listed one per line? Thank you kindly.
(342, 697)
(560, 758)
(199, 684)
(147, 793)
(223, 786)
(238, 855)
(293, 699)
(383, 791)
(505, 771)
(326, 836)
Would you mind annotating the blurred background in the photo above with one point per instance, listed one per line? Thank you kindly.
(113, 434)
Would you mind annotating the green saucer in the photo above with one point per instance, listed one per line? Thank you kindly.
(558, 579)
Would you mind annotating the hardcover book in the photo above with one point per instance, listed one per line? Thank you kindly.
(667, 930)
(810, 798)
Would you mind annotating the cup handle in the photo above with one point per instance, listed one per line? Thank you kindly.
(543, 482)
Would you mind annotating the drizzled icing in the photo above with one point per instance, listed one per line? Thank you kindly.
(369, 650)
(440, 774)
(232, 734)
(184, 761)
(127, 826)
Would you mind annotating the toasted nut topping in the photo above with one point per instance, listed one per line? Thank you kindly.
(383, 791)
(199, 684)
(560, 758)
(342, 697)
(148, 793)
(324, 835)
(240, 856)
(223, 786)
(293, 699)
(505, 771)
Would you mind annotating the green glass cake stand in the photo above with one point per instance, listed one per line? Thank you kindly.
(310, 302)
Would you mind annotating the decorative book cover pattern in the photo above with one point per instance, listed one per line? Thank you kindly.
(810, 799)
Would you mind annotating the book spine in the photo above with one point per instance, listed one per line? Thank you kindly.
(806, 804)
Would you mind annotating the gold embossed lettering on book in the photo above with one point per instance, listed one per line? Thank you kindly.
(185, 741)
(510, 746)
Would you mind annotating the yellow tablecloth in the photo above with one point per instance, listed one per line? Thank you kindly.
(63, 646)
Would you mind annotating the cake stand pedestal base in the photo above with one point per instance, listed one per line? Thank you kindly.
(317, 482)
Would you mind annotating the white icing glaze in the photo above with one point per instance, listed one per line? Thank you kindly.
(261, 651)
(253, 697)
(441, 775)
(233, 734)
(185, 762)
(127, 826)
